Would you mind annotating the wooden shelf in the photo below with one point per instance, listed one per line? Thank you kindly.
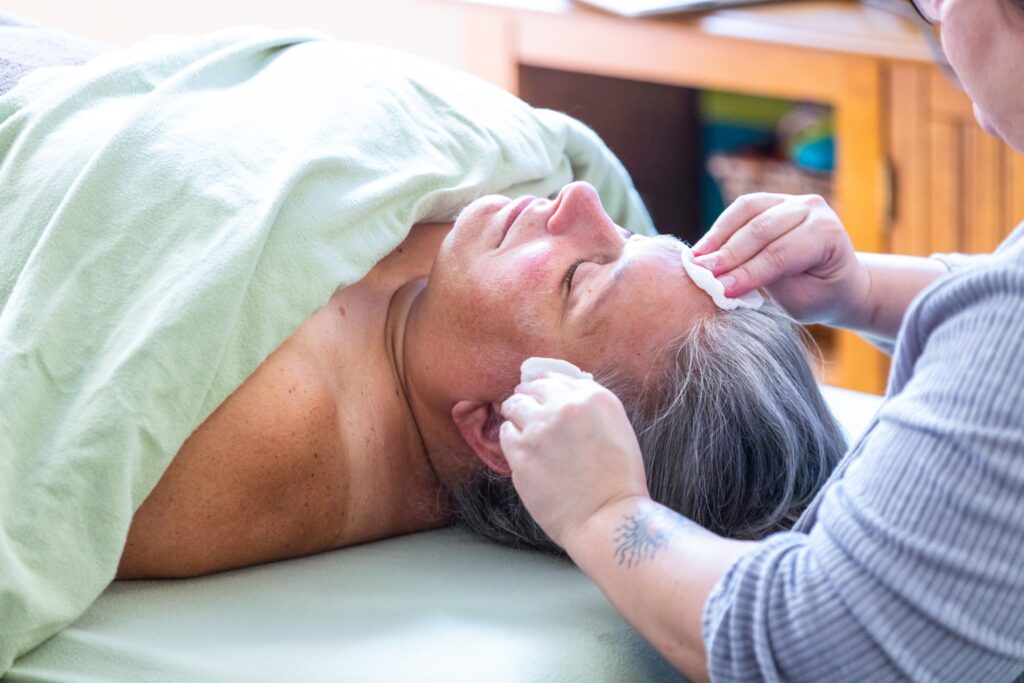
(840, 26)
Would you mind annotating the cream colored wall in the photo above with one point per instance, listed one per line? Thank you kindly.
(433, 29)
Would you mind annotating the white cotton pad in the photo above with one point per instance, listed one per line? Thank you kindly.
(705, 279)
(534, 368)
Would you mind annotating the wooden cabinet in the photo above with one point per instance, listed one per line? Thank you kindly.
(956, 187)
(914, 173)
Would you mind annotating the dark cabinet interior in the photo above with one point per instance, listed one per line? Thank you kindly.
(654, 129)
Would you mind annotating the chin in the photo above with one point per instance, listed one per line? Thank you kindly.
(990, 126)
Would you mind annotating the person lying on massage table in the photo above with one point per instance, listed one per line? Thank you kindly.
(380, 414)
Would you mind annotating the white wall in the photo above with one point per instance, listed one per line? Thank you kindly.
(429, 27)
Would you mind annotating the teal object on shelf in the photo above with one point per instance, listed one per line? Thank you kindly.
(816, 155)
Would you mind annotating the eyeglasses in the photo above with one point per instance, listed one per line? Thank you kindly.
(928, 9)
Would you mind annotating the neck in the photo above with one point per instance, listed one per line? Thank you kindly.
(401, 334)
(409, 334)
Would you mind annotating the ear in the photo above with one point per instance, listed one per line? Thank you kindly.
(479, 424)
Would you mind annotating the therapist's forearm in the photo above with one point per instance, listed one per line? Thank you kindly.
(894, 283)
(658, 569)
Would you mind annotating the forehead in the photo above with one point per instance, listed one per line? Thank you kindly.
(652, 304)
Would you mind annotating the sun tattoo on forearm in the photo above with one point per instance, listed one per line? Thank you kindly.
(641, 536)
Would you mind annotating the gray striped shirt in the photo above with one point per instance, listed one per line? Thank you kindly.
(910, 563)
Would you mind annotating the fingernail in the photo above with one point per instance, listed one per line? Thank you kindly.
(728, 281)
(709, 261)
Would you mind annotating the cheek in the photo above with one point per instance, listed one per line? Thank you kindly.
(980, 46)
(970, 39)
(519, 280)
(525, 290)
(510, 301)
(530, 263)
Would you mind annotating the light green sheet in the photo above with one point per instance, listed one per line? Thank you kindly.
(168, 215)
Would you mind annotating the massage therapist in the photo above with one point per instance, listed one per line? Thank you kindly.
(910, 563)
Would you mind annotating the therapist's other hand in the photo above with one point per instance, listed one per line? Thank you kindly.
(795, 247)
(572, 452)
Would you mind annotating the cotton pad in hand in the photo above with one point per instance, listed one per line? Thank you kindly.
(705, 279)
(534, 368)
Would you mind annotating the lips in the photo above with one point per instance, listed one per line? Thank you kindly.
(518, 208)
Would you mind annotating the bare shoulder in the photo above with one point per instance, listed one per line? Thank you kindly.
(277, 470)
(236, 492)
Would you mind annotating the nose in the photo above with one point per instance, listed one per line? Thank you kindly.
(580, 212)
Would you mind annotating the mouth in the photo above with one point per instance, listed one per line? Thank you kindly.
(517, 209)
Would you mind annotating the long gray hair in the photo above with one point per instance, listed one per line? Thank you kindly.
(735, 433)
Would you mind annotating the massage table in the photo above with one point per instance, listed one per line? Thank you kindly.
(439, 606)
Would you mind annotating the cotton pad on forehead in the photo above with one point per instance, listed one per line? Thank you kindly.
(705, 279)
(534, 368)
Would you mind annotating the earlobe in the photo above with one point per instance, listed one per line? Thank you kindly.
(479, 424)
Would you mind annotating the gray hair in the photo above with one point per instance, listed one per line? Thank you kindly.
(735, 435)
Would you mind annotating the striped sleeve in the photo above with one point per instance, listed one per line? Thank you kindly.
(914, 568)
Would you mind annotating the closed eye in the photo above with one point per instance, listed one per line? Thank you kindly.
(569, 273)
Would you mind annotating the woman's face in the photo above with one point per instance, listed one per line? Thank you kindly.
(984, 40)
(525, 277)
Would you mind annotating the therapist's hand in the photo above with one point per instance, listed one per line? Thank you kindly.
(572, 452)
(796, 248)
